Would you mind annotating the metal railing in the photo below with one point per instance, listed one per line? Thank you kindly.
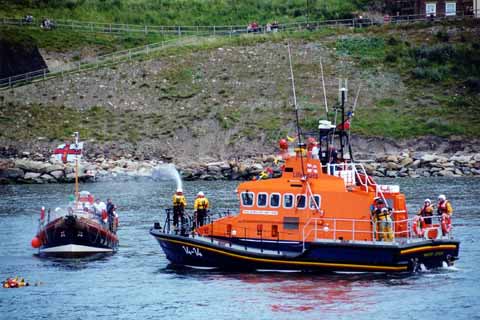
(116, 57)
(106, 27)
(361, 230)
(90, 63)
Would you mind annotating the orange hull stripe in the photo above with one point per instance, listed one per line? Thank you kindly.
(428, 248)
(300, 263)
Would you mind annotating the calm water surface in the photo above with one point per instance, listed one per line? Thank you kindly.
(137, 282)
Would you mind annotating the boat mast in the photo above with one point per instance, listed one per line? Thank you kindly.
(299, 133)
(76, 135)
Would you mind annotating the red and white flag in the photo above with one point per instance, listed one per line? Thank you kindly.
(68, 152)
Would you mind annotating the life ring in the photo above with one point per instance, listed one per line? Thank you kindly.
(419, 228)
(446, 224)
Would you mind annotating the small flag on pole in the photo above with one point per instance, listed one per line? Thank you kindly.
(68, 152)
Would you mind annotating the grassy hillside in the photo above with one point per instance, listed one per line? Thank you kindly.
(184, 12)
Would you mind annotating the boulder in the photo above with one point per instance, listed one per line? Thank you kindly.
(461, 158)
(47, 178)
(446, 173)
(391, 158)
(57, 174)
(53, 167)
(391, 174)
(476, 157)
(31, 175)
(429, 158)
(11, 173)
(31, 166)
(415, 164)
(406, 161)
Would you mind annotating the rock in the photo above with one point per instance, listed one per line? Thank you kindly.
(476, 157)
(53, 167)
(391, 174)
(429, 158)
(214, 169)
(11, 173)
(405, 162)
(458, 172)
(392, 166)
(415, 164)
(461, 158)
(57, 174)
(31, 175)
(391, 158)
(446, 173)
(48, 178)
(32, 166)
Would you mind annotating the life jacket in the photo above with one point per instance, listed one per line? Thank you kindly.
(177, 201)
(443, 207)
(427, 211)
(202, 204)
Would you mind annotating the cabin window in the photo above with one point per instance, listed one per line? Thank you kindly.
(274, 231)
(315, 202)
(262, 199)
(431, 9)
(301, 201)
(290, 223)
(450, 8)
(288, 200)
(275, 200)
(247, 199)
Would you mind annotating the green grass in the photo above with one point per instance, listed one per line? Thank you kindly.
(68, 40)
(184, 12)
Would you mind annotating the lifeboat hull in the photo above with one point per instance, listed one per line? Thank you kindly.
(318, 256)
(71, 236)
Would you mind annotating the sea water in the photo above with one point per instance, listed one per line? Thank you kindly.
(137, 282)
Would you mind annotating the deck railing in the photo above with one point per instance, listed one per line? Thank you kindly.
(359, 230)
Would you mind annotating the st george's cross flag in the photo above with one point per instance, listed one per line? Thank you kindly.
(68, 152)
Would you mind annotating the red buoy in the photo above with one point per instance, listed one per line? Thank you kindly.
(36, 242)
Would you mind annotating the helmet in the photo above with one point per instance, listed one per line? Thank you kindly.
(428, 200)
(442, 197)
(179, 191)
(384, 210)
(200, 194)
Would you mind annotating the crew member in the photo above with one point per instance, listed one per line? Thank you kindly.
(384, 220)
(111, 213)
(444, 206)
(200, 206)
(426, 211)
(179, 204)
(375, 210)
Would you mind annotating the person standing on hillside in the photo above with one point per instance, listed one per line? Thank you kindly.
(200, 207)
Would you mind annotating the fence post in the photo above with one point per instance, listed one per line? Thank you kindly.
(44, 74)
(214, 30)
(9, 82)
(71, 24)
(130, 54)
(146, 30)
(179, 31)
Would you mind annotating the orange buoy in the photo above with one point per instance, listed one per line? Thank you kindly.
(36, 242)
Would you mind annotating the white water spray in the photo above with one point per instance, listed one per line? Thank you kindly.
(167, 172)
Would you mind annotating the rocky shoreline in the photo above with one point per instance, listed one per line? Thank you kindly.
(35, 169)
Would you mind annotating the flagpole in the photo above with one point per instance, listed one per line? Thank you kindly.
(76, 167)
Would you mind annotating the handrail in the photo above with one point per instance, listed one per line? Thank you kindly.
(311, 228)
(101, 27)
(111, 27)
